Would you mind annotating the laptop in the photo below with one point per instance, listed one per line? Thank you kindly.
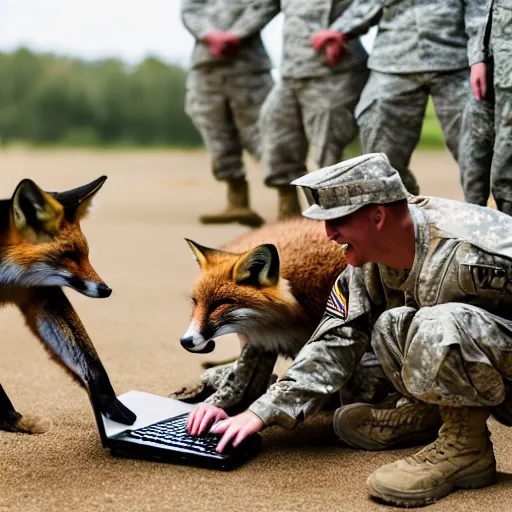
(160, 434)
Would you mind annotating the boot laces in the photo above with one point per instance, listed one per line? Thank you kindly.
(453, 438)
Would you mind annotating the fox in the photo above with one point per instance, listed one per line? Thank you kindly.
(43, 249)
(270, 287)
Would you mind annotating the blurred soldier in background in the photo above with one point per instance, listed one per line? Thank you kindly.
(493, 86)
(312, 108)
(422, 49)
(229, 80)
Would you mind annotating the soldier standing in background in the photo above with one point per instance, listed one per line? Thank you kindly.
(495, 86)
(229, 80)
(421, 48)
(312, 108)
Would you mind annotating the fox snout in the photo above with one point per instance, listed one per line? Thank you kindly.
(95, 289)
(188, 344)
(194, 341)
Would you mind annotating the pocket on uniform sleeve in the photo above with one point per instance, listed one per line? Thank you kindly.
(478, 278)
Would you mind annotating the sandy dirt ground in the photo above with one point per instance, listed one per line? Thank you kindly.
(148, 205)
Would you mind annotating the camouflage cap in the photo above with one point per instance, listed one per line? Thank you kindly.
(343, 188)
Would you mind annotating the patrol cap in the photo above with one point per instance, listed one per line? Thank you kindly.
(343, 188)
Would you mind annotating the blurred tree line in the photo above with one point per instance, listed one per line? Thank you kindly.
(46, 99)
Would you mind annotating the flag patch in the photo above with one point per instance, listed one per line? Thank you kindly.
(336, 304)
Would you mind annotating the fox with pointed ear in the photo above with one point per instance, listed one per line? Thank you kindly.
(42, 248)
(270, 287)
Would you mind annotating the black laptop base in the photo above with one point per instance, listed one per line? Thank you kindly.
(233, 457)
(168, 441)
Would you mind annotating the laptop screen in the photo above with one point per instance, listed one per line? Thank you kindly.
(149, 409)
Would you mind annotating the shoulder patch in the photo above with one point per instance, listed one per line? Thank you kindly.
(337, 303)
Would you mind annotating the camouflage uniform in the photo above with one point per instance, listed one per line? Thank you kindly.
(224, 96)
(314, 103)
(442, 331)
(421, 49)
(477, 144)
(501, 49)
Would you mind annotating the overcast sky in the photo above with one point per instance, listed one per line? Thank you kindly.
(93, 29)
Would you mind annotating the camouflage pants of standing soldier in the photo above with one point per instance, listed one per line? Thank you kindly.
(308, 114)
(501, 33)
(453, 354)
(476, 150)
(486, 150)
(225, 109)
(477, 144)
(391, 111)
(501, 181)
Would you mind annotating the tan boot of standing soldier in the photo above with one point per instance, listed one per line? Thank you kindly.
(288, 202)
(371, 427)
(237, 210)
(461, 457)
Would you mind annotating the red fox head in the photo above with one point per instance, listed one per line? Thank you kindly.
(41, 243)
(235, 293)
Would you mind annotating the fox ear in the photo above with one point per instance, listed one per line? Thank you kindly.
(201, 253)
(258, 267)
(36, 215)
(77, 201)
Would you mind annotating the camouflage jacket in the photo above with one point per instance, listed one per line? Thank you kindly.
(302, 18)
(495, 40)
(418, 35)
(244, 18)
(463, 255)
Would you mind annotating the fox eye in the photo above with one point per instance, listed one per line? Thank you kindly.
(194, 301)
(70, 255)
(221, 302)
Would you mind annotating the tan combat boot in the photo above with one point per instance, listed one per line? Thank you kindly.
(462, 456)
(288, 202)
(371, 427)
(238, 209)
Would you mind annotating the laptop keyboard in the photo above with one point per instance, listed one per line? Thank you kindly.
(173, 432)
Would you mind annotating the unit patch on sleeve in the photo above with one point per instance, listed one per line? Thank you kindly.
(337, 304)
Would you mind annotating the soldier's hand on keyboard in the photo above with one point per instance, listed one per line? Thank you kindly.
(202, 417)
(236, 428)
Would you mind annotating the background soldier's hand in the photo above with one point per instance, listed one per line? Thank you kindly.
(334, 52)
(202, 417)
(478, 80)
(331, 42)
(222, 44)
(237, 428)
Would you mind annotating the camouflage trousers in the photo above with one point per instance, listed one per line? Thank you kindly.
(451, 354)
(391, 111)
(501, 181)
(476, 150)
(314, 115)
(225, 109)
(486, 150)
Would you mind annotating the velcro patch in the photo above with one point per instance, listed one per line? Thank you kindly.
(336, 304)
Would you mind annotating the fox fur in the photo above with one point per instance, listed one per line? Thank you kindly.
(42, 248)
